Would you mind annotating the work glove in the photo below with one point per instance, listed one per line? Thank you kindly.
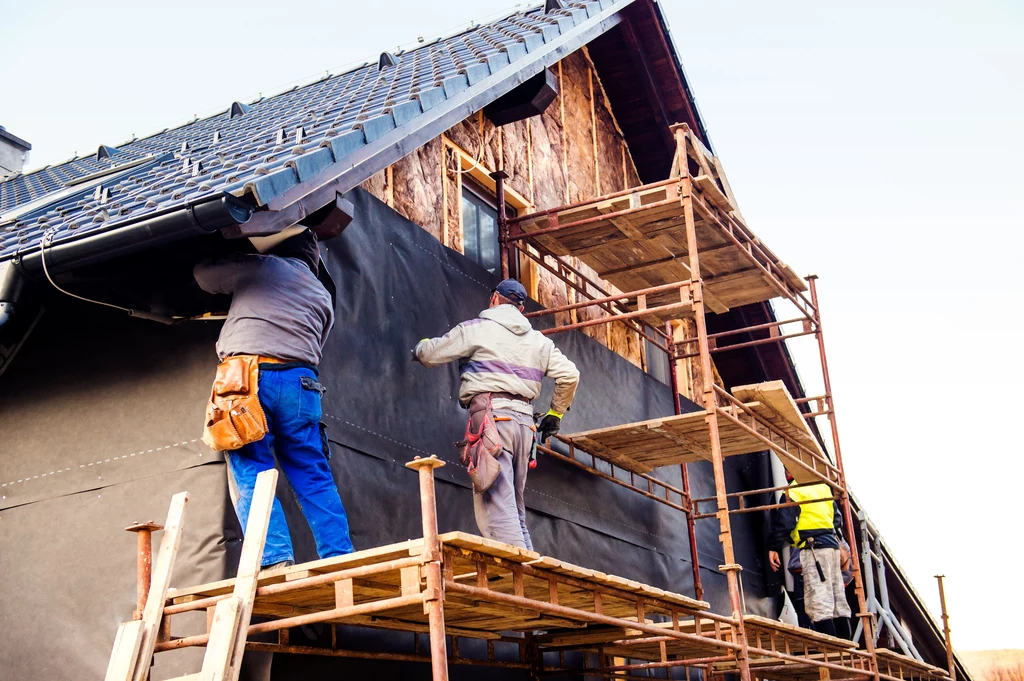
(549, 425)
(414, 357)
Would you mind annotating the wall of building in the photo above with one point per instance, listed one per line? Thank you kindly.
(574, 151)
(12, 158)
(135, 393)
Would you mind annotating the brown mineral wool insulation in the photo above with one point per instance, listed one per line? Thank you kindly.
(551, 293)
(492, 147)
(454, 203)
(377, 185)
(609, 145)
(548, 181)
(466, 136)
(578, 128)
(417, 187)
(514, 142)
(631, 174)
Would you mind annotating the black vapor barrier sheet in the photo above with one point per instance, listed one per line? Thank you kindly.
(106, 411)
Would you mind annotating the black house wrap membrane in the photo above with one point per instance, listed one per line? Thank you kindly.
(101, 416)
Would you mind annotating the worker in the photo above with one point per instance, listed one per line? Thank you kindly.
(281, 313)
(813, 528)
(500, 354)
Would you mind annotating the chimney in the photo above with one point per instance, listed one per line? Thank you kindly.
(13, 154)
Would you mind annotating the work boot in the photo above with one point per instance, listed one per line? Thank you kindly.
(842, 626)
(279, 564)
(825, 627)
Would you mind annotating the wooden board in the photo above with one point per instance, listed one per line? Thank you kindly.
(763, 627)
(776, 406)
(761, 632)
(648, 247)
(464, 556)
(645, 445)
(911, 667)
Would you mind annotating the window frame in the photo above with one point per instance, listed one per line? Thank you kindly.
(488, 199)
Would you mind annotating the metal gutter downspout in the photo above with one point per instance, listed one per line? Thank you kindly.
(204, 217)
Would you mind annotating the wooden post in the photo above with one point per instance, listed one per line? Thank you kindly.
(230, 627)
(434, 603)
(950, 665)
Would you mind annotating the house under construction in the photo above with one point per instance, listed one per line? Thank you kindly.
(560, 145)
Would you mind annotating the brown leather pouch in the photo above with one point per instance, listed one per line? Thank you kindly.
(234, 416)
(482, 445)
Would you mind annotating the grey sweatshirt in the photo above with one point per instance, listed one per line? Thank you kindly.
(502, 353)
(278, 307)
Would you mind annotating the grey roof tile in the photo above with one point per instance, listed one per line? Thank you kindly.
(269, 145)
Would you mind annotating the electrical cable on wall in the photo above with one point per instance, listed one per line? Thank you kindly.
(46, 243)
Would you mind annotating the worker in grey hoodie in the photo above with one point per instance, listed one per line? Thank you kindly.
(501, 354)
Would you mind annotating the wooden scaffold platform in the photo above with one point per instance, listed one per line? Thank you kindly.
(520, 610)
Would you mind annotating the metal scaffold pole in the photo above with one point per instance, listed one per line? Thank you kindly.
(691, 528)
(848, 528)
(731, 568)
(950, 666)
(434, 601)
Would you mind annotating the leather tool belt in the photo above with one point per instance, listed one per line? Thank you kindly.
(234, 416)
(482, 445)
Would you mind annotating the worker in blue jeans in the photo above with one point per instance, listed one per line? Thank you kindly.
(281, 313)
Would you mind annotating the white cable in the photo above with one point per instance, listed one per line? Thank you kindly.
(46, 242)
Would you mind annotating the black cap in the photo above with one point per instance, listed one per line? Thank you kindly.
(511, 289)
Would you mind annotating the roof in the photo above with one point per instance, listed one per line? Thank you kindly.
(273, 144)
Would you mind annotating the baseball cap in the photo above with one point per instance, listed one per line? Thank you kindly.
(511, 289)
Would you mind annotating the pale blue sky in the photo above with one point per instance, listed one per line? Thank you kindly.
(877, 144)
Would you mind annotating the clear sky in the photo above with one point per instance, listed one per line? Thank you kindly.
(877, 144)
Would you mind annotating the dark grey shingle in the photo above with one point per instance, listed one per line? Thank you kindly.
(256, 150)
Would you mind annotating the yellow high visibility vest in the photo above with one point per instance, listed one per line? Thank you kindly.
(817, 515)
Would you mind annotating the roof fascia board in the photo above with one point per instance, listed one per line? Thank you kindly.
(643, 65)
(669, 43)
(305, 198)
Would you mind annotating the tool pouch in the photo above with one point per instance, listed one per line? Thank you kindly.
(482, 445)
(234, 416)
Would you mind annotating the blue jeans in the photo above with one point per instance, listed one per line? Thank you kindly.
(293, 423)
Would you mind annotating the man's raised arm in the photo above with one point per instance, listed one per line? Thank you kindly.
(456, 344)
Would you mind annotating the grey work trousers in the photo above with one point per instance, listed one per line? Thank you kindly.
(501, 510)
(823, 600)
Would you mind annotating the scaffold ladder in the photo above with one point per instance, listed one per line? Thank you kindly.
(135, 641)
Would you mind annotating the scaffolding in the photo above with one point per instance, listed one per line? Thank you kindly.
(479, 603)
(672, 249)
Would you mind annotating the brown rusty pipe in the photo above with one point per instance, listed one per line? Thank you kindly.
(628, 295)
(144, 562)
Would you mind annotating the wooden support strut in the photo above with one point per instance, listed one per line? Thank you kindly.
(135, 641)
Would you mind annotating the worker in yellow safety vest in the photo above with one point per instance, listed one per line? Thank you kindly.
(813, 526)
